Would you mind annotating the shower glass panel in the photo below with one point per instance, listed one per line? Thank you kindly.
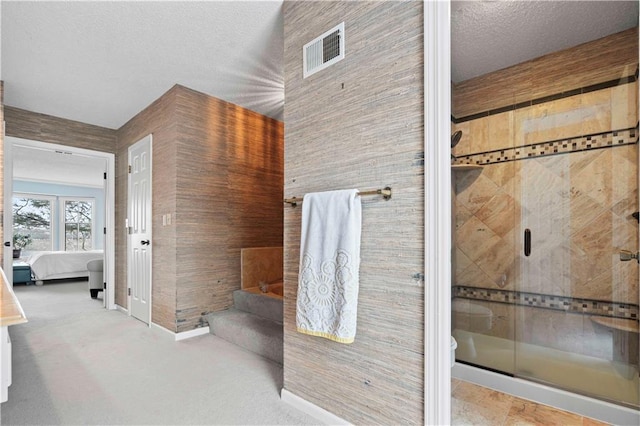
(539, 290)
(576, 324)
(484, 257)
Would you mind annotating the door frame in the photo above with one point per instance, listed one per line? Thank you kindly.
(129, 263)
(437, 237)
(109, 201)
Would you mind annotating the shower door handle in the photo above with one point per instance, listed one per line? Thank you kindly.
(527, 242)
(626, 255)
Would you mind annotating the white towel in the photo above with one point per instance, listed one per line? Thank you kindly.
(329, 265)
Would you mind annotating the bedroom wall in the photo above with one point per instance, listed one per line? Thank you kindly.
(217, 169)
(59, 190)
(359, 124)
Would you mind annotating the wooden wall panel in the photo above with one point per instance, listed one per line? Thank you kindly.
(359, 124)
(609, 58)
(159, 119)
(46, 128)
(229, 196)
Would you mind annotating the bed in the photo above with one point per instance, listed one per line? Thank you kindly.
(52, 265)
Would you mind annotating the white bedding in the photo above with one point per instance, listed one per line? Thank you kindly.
(49, 265)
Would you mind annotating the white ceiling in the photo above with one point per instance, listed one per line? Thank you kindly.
(103, 62)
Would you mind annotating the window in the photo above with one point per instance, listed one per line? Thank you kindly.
(78, 224)
(32, 217)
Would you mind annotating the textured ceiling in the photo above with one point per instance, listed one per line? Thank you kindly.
(490, 35)
(103, 62)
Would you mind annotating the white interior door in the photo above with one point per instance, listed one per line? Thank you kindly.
(139, 223)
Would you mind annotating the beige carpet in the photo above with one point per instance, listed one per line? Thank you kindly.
(76, 363)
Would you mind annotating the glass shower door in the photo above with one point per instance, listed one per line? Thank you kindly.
(484, 270)
(577, 302)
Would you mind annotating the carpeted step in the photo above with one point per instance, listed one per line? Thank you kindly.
(264, 306)
(249, 331)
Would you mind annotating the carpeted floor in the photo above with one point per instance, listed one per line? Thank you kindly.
(76, 363)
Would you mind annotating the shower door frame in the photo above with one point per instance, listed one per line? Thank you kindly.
(437, 208)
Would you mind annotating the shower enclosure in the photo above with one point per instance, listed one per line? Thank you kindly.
(545, 275)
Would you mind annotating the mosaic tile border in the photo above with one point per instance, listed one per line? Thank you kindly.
(560, 146)
(559, 303)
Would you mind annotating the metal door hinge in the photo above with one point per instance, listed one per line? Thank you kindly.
(104, 286)
(104, 231)
(105, 175)
(129, 291)
(129, 168)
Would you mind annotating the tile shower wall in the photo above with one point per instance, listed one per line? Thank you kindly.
(566, 169)
(578, 203)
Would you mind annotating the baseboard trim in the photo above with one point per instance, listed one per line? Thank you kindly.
(311, 409)
(192, 333)
(184, 335)
(122, 309)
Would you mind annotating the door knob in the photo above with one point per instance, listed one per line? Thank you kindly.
(144, 242)
(626, 255)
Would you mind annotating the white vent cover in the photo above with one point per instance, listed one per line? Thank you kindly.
(323, 51)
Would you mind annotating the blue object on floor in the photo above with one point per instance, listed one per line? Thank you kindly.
(21, 272)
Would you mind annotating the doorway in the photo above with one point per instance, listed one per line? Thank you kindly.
(65, 154)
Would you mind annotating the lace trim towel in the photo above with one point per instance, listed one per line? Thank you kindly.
(329, 265)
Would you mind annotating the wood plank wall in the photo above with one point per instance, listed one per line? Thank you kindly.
(229, 196)
(46, 128)
(359, 124)
(159, 119)
(605, 59)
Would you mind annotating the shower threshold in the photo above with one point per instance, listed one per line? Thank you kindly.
(585, 374)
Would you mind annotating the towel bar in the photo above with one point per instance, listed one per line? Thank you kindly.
(385, 192)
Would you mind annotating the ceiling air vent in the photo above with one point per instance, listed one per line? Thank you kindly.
(323, 51)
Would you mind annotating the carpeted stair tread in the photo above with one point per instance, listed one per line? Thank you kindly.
(249, 331)
(258, 304)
